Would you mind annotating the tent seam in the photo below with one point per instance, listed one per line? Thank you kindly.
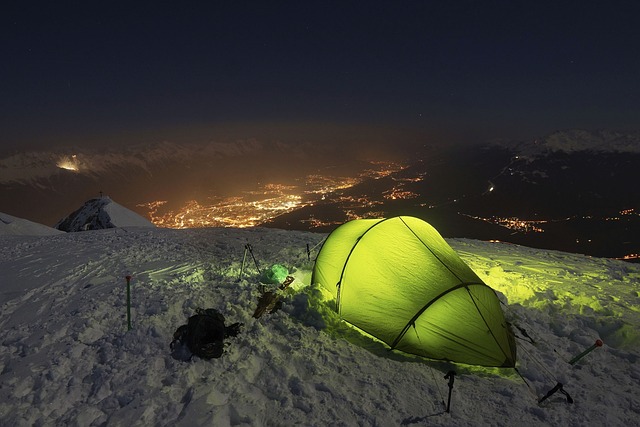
(507, 357)
(429, 304)
(430, 250)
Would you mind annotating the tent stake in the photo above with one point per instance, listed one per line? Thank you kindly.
(450, 376)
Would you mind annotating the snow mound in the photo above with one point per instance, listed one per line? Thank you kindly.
(101, 213)
(12, 226)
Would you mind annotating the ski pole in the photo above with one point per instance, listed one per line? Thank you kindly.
(595, 345)
(128, 302)
(450, 376)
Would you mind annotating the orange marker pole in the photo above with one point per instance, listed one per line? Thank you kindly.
(597, 344)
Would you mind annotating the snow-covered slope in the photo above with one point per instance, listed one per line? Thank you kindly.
(101, 213)
(66, 357)
(11, 225)
(577, 140)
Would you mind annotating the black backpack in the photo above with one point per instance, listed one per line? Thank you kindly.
(204, 334)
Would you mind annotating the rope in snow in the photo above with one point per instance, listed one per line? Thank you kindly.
(309, 249)
(540, 364)
(437, 387)
(558, 386)
(318, 244)
(528, 339)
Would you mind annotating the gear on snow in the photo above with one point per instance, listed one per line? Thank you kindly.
(202, 336)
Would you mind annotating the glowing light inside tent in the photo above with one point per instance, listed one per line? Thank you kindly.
(380, 290)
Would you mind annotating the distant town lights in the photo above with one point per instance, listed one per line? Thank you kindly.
(271, 200)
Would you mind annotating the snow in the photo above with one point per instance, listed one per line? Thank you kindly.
(11, 225)
(124, 217)
(67, 358)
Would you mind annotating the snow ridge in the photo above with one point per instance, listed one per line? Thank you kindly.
(11, 225)
(577, 140)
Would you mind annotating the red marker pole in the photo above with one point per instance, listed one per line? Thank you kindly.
(128, 302)
(597, 344)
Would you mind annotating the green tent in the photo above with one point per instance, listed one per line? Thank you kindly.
(398, 280)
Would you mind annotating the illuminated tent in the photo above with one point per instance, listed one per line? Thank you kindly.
(398, 280)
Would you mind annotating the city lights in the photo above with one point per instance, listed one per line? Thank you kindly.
(512, 223)
(271, 200)
(253, 208)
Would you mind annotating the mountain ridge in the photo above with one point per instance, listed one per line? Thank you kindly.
(31, 167)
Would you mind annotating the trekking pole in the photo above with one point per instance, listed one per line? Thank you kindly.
(244, 258)
(250, 249)
(595, 345)
(450, 376)
(128, 302)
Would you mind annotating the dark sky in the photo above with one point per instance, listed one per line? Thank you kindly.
(103, 72)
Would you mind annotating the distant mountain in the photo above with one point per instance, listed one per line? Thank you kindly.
(40, 167)
(101, 213)
(13, 226)
(34, 166)
(579, 140)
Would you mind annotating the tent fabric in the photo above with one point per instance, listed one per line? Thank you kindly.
(398, 280)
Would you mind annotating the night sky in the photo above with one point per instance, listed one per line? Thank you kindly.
(96, 73)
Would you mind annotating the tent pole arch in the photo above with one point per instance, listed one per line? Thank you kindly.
(425, 307)
(346, 261)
